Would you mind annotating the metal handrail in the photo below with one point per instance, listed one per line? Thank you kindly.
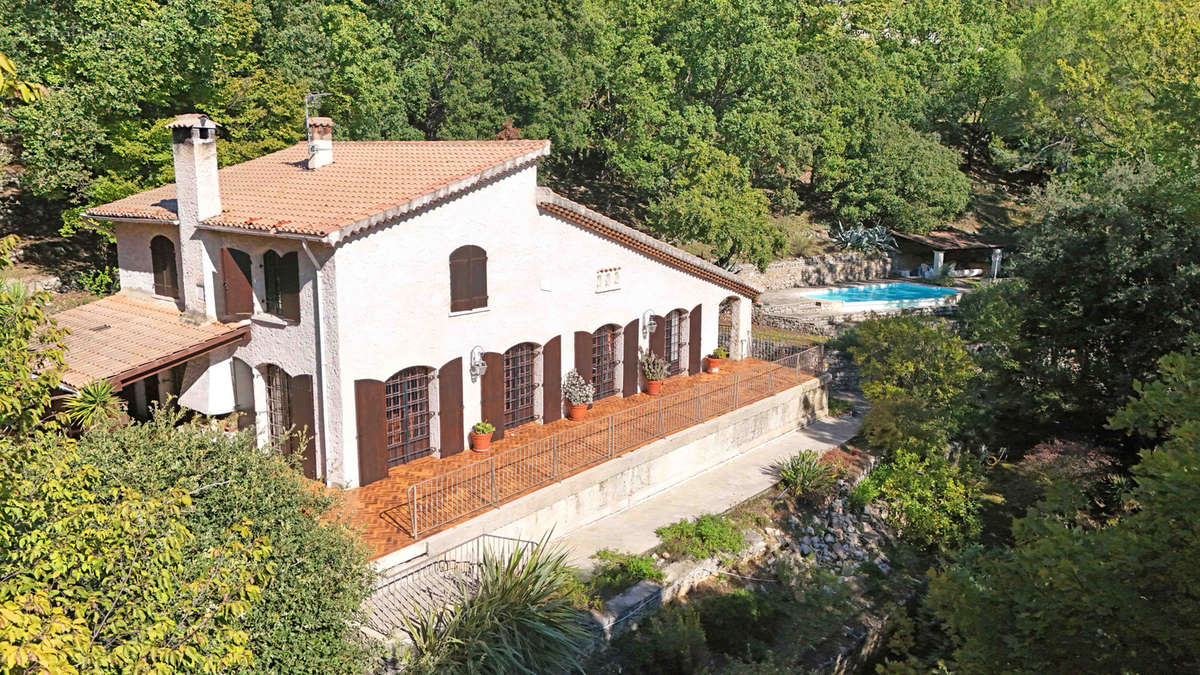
(441, 499)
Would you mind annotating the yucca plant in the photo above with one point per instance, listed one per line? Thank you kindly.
(515, 617)
(95, 404)
(863, 239)
(804, 475)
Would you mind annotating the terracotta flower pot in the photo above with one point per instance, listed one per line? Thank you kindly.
(576, 412)
(713, 364)
(653, 387)
(481, 442)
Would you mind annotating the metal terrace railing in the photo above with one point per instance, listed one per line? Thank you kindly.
(443, 499)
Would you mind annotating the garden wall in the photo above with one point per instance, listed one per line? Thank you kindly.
(821, 270)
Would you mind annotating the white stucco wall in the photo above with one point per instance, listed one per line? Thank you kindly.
(133, 254)
(393, 291)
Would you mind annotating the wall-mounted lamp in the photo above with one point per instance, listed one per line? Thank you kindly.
(648, 323)
(478, 367)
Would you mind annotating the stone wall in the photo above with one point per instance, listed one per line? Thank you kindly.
(834, 324)
(821, 270)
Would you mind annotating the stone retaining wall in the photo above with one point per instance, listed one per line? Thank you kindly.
(832, 325)
(821, 270)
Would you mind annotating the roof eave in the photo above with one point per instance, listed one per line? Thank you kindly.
(87, 215)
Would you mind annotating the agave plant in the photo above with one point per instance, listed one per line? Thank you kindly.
(805, 476)
(95, 404)
(863, 239)
(516, 616)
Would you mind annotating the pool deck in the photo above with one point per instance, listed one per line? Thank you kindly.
(797, 300)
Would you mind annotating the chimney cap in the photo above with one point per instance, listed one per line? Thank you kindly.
(192, 121)
(320, 122)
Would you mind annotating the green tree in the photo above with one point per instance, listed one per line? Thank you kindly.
(910, 357)
(1118, 598)
(13, 87)
(31, 352)
(714, 203)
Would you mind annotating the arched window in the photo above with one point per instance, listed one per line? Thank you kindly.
(519, 385)
(279, 404)
(673, 340)
(605, 359)
(162, 260)
(468, 278)
(282, 280)
(407, 413)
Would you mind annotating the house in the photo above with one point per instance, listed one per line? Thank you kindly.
(384, 296)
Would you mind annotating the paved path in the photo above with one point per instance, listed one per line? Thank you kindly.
(713, 491)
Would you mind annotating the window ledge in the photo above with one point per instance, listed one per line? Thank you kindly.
(467, 312)
(272, 320)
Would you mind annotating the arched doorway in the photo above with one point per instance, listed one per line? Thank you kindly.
(407, 414)
(520, 385)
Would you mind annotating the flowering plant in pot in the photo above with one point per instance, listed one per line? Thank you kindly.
(654, 369)
(713, 362)
(481, 435)
(579, 395)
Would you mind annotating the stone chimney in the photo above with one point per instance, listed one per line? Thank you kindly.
(320, 142)
(198, 198)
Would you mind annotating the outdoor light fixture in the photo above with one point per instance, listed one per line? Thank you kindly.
(648, 323)
(478, 366)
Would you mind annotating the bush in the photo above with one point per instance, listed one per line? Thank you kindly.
(705, 536)
(102, 281)
(930, 500)
(864, 493)
(618, 571)
(671, 642)
(804, 475)
(741, 623)
(840, 406)
(516, 618)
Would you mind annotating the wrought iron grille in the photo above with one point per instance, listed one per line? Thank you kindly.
(518, 385)
(406, 409)
(279, 403)
(674, 341)
(604, 360)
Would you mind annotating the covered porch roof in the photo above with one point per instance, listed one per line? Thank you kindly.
(124, 339)
(949, 239)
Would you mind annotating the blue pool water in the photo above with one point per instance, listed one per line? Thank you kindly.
(885, 295)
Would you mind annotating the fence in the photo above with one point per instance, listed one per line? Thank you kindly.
(442, 499)
(441, 581)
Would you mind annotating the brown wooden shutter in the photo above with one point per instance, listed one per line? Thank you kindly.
(632, 371)
(450, 404)
(289, 286)
(162, 259)
(304, 421)
(583, 355)
(235, 278)
(372, 430)
(658, 337)
(491, 392)
(694, 355)
(552, 380)
(468, 278)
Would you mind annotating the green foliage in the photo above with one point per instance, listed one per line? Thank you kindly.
(100, 282)
(654, 367)
(702, 537)
(618, 571)
(515, 618)
(672, 642)
(307, 620)
(12, 87)
(929, 499)
(1120, 597)
(482, 428)
(840, 407)
(742, 622)
(31, 352)
(877, 240)
(896, 178)
(95, 404)
(863, 494)
(720, 353)
(805, 476)
(909, 357)
(102, 578)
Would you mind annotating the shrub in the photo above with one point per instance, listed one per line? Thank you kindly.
(705, 536)
(741, 623)
(618, 571)
(804, 475)
(930, 500)
(102, 281)
(576, 390)
(483, 428)
(840, 406)
(871, 240)
(653, 366)
(863, 494)
(671, 642)
(516, 618)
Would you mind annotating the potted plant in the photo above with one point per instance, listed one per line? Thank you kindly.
(481, 436)
(654, 369)
(713, 363)
(579, 395)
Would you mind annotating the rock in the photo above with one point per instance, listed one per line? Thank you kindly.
(809, 530)
(829, 538)
(805, 549)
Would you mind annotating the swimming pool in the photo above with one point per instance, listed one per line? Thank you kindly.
(885, 296)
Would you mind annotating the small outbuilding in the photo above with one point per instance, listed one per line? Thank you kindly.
(971, 254)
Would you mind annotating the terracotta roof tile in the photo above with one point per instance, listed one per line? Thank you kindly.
(276, 193)
(119, 337)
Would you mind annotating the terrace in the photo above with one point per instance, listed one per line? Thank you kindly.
(431, 494)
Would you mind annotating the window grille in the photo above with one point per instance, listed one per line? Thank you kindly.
(674, 340)
(407, 415)
(518, 385)
(279, 404)
(604, 360)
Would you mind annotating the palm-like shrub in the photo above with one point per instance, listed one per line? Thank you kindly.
(804, 475)
(515, 617)
(95, 404)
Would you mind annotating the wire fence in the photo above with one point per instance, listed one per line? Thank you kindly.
(443, 499)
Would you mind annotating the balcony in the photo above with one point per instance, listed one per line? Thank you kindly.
(429, 495)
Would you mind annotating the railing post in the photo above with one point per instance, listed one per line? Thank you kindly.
(660, 422)
(492, 470)
(699, 406)
(612, 441)
(736, 377)
(553, 458)
(412, 507)
(770, 372)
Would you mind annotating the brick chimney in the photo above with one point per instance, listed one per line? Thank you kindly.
(320, 142)
(198, 198)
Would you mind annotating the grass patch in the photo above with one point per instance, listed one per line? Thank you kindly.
(701, 538)
(840, 407)
(617, 571)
